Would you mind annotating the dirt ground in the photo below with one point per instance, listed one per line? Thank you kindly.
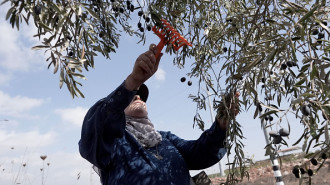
(264, 174)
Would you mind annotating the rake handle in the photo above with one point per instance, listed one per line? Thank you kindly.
(160, 47)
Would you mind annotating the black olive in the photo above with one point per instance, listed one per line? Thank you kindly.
(121, 10)
(140, 13)
(310, 172)
(324, 156)
(289, 63)
(320, 35)
(270, 118)
(315, 32)
(314, 161)
(183, 79)
(283, 132)
(305, 110)
(302, 171)
(37, 10)
(295, 170)
(277, 140)
(325, 23)
(259, 107)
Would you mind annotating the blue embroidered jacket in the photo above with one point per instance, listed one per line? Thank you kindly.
(123, 161)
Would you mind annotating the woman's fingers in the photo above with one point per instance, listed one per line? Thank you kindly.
(153, 48)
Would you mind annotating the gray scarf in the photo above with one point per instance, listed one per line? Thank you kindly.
(143, 131)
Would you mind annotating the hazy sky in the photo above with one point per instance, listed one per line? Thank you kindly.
(37, 118)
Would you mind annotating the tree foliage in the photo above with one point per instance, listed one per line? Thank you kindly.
(275, 52)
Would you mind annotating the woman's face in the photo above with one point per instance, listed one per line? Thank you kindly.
(137, 108)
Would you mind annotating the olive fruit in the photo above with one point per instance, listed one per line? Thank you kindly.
(325, 23)
(183, 79)
(132, 8)
(139, 25)
(295, 170)
(101, 34)
(115, 9)
(320, 35)
(297, 175)
(324, 156)
(266, 118)
(305, 110)
(189, 83)
(314, 161)
(283, 132)
(259, 107)
(277, 140)
(37, 10)
(141, 29)
(283, 66)
(263, 80)
(147, 19)
(310, 172)
(70, 53)
(302, 171)
(224, 49)
(290, 63)
(273, 133)
(315, 32)
(140, 13)
(112, 0)
(121, 10)
(271, 118)
(149, 28)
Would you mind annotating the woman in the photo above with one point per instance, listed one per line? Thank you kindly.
(118, 138)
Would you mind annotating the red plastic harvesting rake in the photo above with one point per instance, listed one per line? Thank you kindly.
(168, 35)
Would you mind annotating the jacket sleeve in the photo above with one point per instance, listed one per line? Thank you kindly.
(204, 152)
(103, 124)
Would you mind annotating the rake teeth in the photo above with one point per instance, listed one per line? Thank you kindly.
(169, 35)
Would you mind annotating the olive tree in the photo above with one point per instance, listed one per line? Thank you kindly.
(275, 52)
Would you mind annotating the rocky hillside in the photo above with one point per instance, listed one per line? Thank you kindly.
(261, 172)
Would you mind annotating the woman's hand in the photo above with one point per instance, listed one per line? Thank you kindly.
(145, 66)
(233, 106)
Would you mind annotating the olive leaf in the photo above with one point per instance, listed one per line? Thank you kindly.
(235, 45)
